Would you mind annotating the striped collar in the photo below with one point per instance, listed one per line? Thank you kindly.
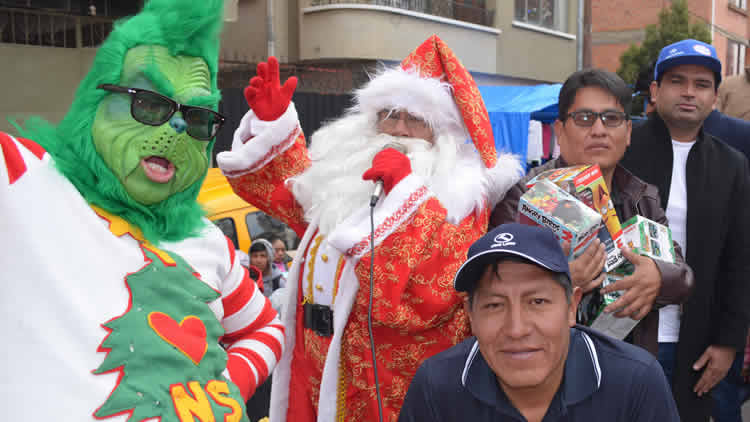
(582, 377)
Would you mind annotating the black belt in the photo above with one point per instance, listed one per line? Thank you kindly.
(319, 318)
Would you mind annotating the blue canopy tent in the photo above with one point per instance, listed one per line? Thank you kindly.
(512, 107)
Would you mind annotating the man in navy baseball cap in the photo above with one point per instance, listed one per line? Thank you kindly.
(688, 51)
(699, 178)
(529, 360)
(521, 242)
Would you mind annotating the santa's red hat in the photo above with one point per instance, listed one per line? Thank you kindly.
(431, 83)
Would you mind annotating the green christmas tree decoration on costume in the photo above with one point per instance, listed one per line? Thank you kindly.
(159, 343)
(186, 28)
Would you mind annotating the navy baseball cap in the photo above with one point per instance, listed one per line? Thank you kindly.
(688, 52)
(538, 245)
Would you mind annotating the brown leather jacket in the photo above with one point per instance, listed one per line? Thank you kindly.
(631, 196)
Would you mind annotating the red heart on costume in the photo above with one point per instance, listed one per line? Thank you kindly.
(189, 336)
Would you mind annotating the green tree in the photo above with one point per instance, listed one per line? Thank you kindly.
(149, 359)
(674, 25)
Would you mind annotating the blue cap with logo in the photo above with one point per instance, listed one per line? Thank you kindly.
(688, 52)
(538, 245)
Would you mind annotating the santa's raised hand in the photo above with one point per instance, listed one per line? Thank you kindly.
(265, 95)
(389, 165)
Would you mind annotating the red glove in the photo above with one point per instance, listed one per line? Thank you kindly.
(265, 95)
(256, 275)
(390, 166)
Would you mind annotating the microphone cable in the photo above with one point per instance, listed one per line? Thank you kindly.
(369, 311)
(373, 201)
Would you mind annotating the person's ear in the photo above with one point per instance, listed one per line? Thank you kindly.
(468, 309)
(559, 128)
(629, 129)
(654, 90)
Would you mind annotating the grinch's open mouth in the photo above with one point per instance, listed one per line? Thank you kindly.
(158, 169)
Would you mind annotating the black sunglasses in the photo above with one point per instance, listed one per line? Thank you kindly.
(587, 118)
(154, 109)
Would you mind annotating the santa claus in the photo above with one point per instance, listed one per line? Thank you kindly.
(438, 194)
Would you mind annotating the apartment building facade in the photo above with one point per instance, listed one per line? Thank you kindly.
(616, 24)
(331, 45)
(500, 41)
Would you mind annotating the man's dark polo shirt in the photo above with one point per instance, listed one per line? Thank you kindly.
(605, 380)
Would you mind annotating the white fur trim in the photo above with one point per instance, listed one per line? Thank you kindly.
(269, 139)
(428, 98)
(352, 236)
(349, 285)
(282, 373)
(500, 178)
(472, 186)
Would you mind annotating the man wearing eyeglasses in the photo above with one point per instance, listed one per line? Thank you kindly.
(704, 185)
(594, 128)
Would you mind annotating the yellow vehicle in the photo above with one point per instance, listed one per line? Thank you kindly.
(239, 220)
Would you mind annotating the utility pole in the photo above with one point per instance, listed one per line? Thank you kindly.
(587, 34)
(579, 35)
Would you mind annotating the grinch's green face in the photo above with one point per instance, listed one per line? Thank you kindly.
(154, 162)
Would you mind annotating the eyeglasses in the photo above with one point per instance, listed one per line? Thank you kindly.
(153, 109)
(587, 118)
(388, 119)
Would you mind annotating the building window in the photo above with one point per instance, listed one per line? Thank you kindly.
(54, 23)
(473, 11)
(552, 14)
(735, 58)
(742, 4)
(107, 8)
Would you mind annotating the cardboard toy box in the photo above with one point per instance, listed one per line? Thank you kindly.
(649, 238)
(591, 307)
(644, 237)
(546, 204)
(587, 184)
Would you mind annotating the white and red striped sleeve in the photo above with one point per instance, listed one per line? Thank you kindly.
(254, 333)
(14, 156)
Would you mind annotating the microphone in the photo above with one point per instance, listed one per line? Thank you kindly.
(378, 190)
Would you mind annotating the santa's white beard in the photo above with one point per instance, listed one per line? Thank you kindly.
(332, 188)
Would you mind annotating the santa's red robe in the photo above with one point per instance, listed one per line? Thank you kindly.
(419, 245)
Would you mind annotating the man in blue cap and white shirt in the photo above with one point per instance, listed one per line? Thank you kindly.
(529, 361)
(704, 187)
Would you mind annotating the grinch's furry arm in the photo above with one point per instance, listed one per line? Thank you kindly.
(254, 335)
(263, 156)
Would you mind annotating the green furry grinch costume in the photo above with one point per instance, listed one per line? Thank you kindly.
(184, 28)
(124, 302)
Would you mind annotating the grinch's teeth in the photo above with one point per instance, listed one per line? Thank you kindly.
(155, 167)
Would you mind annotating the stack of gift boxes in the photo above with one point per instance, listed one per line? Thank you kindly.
(575, 203)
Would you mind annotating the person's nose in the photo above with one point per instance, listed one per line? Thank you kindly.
(517, 323)
(598, 129)
(689, 90)
(400, 128)
(178, 124)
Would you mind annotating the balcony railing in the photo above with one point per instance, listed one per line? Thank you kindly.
(473, 11)
(50, 29)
